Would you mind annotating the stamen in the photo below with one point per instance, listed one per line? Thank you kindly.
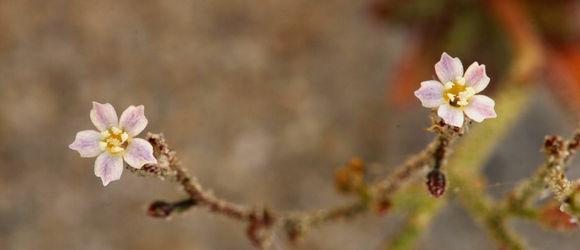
(470, 90)
(124, 137)
(448, 85)
(116, 130)
(105, 134)
(451, 96)
(113, 141)
(117, 149)
(460, 80)
(103, 145)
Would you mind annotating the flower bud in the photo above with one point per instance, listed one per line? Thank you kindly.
(160, 209)
(436, 183)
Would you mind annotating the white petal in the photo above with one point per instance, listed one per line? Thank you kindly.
(430, 94)
(448, 68)
(139, 153)
(103, 116)
(133, 120)
(476, 77)
(87, 143)
(451, 115)
(480, 107)
(109, 167)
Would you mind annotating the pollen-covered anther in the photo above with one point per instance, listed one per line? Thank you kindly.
(105, 134)
(117, 149)
(460, 80)
(451, 97)
(124, 137)
(116, 130)
(448, 85)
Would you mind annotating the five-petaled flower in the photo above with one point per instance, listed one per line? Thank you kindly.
(115, 141)
(455, 92)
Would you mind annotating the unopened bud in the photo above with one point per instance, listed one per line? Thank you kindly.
(160, 209)
(436, 183)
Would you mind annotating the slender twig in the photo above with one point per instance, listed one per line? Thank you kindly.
(261, 220)
(192, 187)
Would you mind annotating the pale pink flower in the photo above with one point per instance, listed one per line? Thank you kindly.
(455, 93)
(114, 142)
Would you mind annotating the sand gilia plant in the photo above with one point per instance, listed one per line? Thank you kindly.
(454, 101)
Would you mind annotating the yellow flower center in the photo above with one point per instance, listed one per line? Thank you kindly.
(114, 140)
(456, 93)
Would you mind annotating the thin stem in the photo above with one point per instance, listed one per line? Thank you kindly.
(261, 219)
(192, 187)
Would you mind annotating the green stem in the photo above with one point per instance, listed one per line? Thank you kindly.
(423, 209)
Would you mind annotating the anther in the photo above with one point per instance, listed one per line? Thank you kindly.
(448, 85)
(105, 134)
(451, 96)
(117, 149)
(124, 137)
(116, 130)
(460, 80)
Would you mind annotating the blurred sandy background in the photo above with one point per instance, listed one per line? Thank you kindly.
(261, 100)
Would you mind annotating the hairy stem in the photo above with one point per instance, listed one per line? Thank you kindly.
(260, 220)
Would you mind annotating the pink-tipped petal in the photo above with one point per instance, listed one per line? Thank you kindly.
(448, 68)
(139, 153)
(430, 94)
(476, 77)
(109, 167)
(87, 143)
(451, 115)
(103, 116)
(480, 107)
(133, 120)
